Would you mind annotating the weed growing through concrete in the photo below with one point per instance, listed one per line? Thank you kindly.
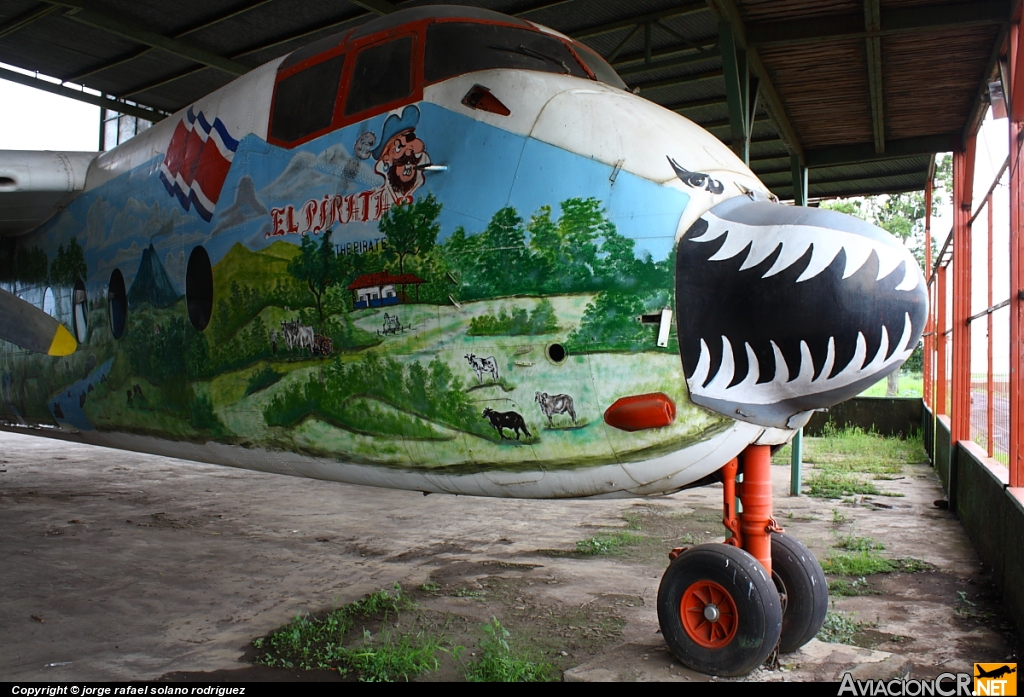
(839, 628)
(499, 662)
(385, 659)
(869, 562)
(310, 642)
(606, 543)
(853, 543)
(838, 518)
(842, 587)
(825, 484)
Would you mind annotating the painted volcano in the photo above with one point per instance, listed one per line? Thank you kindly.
(151, 284)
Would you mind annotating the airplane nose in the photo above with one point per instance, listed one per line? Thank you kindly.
(782, 310)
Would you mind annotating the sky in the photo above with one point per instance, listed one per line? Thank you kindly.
(35, 120)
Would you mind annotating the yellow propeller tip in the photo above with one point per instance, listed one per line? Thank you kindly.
(63, 343)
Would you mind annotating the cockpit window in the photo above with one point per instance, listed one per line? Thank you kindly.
(382, 74)
(599, 66)
(456, 48)
(304, 102)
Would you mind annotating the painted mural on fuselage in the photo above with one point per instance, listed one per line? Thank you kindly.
(518, 245)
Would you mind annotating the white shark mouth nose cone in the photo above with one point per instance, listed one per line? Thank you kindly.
(782, 310)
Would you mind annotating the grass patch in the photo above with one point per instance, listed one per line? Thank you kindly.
(856, 450)
(839, 628)
(910, 385)
(866, 563)
(853, 543)
(499, 662)
(842, 587)
(835, 485)
(385, 659)
(311, 642)
(607, 543)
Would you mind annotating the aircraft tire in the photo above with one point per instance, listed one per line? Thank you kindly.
(803, 591)
(719, 612)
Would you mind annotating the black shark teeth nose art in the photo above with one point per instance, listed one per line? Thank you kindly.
(783, 310)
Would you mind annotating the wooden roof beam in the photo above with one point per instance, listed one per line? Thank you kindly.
(856, 154)
(893, 20)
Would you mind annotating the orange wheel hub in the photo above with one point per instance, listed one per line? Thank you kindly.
(708, 614)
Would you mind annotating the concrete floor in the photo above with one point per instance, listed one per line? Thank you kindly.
(121, 566)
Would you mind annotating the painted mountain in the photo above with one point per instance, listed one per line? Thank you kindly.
(151, 284)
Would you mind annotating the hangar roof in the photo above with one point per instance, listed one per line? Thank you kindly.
(862, 92)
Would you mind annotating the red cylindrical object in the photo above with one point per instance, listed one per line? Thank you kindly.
(756, 496)
(640, 412)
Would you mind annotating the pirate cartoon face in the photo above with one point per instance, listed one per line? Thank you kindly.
(400, 152)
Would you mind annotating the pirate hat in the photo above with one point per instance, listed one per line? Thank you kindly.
(395, 125)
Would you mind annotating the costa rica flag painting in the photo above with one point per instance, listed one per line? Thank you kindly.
(197, 162)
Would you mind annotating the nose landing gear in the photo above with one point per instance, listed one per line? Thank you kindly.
(724, 608)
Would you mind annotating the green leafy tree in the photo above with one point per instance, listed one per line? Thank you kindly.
(410, 228)
(317, 267)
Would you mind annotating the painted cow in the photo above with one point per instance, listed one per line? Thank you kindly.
(483, 365)
(501, 420)
(551, 404)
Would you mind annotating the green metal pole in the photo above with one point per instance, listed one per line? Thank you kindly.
(800, 199)
(798, 461)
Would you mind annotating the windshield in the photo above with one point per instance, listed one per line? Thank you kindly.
(456, 48)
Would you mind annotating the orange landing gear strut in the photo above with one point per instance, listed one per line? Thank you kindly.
(756, 522)
(722, 608)
(752, 529)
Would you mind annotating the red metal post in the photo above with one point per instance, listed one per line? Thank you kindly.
(963, 185)
(1016, 66)
(941, 341)
(989, 432)
(756, 494)
(1016, 461)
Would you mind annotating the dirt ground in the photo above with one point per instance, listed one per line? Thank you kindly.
(120, 566)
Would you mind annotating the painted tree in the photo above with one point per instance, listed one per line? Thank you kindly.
(317, 267)
(69, 266)
(582, 222)
(504, 261)
(545, 246)
(410, 228)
